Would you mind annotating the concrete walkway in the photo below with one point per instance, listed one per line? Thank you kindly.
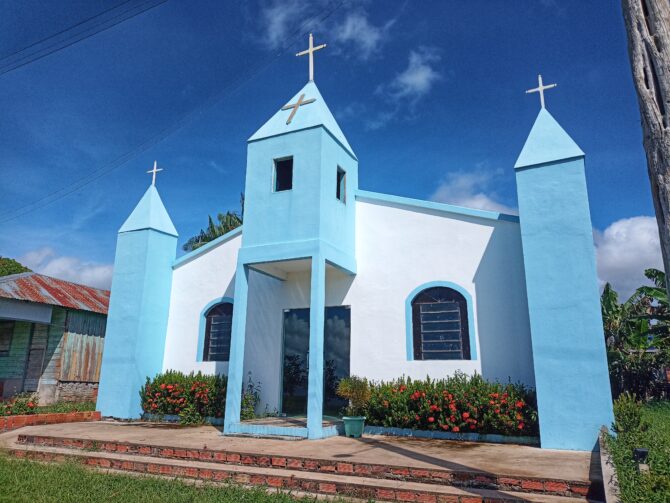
(513, 460)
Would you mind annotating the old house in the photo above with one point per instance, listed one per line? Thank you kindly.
(51, 337)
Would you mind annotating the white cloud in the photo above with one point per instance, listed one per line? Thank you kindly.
(278, 17)
(418, 78)
(624, 250)
(46, 261)
(364, 38)
(472, 189)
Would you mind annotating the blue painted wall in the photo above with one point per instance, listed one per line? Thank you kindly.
(570, 362)
(138, 308)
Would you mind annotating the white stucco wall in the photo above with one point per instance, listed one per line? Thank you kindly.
(398, 250)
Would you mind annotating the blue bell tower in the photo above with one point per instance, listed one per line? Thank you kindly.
(302, 175)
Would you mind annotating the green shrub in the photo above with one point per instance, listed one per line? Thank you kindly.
(357, 391)
(251, 396)
(24, 403)
(627, 414)
(460, 404)
(172, 392)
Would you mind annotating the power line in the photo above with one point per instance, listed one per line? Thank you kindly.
(167, 131)
(82, 35)
(53, 35)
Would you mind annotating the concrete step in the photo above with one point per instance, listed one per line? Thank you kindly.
(351, 468)
(324, 483)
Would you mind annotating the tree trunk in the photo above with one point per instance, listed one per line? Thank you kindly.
(648, 26)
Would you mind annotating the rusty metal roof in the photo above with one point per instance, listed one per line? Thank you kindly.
(34, 287)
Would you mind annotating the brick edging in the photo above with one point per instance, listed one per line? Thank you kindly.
(9, 423)
(294, 482)
(404, 473)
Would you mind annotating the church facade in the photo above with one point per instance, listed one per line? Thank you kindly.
(326, 280)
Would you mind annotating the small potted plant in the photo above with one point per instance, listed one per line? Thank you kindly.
(357, 391)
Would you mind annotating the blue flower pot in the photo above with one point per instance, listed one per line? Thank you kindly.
(353, 426)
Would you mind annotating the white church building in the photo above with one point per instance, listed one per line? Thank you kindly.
(326, 280)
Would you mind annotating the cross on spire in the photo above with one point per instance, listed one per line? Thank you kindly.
(540, 89)
(155, 170)
(296, 105)
(311, 50)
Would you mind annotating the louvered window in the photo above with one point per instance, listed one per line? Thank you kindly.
(218, 327)
(440, 325)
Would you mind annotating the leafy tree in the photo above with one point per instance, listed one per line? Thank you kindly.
(637, 333)
(226, 222)
(10, 266)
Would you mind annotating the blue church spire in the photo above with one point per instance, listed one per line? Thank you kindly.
(138, 306)
(562, 286)
(307, 115)
(150, 213)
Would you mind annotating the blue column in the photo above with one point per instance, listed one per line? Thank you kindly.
(316, 336)
(569, 356)
(236, 361)
(138, 308)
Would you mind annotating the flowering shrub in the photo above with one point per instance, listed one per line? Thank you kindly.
(25, 403)
(190, 396)
(459, 404)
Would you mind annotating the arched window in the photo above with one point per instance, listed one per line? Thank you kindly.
(440, 325)
(218, 326)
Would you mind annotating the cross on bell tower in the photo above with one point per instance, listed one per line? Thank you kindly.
(153, 171)
(310, 51)
(540, 89)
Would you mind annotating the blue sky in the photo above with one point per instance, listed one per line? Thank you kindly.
(430, 96)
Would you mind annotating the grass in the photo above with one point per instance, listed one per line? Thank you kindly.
(66, 407)
(31, 482)
(654, 434)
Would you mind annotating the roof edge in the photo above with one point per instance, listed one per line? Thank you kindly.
(377, 197)
(184, 259)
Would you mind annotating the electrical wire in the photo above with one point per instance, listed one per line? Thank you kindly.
(169, 130)
(100, 27)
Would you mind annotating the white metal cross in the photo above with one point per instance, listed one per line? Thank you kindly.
(540, 89)
(311, 50)
(295, 106)
(154, 171)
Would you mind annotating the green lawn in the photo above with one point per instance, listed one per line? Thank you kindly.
(32, 482)
(652, 487)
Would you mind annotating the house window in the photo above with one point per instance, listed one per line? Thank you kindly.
(218, 327)
(341, 191)
(283, 174)
(6, 332)
(440, 325)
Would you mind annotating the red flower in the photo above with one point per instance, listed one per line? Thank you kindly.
(497, 411)
(521, 426)
(445, 427)
(31, 404)
(417, 417)
(466, 415)
(402, 388)
(456, 429)
(162, 386)
(472, 426)
(519, 404)
(431, 419)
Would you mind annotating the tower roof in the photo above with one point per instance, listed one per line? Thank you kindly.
(149, 214)
(308, 115)
(547, 142)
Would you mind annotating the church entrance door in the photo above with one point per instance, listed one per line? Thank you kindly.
(337, 338)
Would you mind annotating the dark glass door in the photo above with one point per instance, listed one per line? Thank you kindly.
(337, 339)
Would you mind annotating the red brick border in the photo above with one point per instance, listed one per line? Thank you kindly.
(422, 475)
(8, 423)
(296, 483)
